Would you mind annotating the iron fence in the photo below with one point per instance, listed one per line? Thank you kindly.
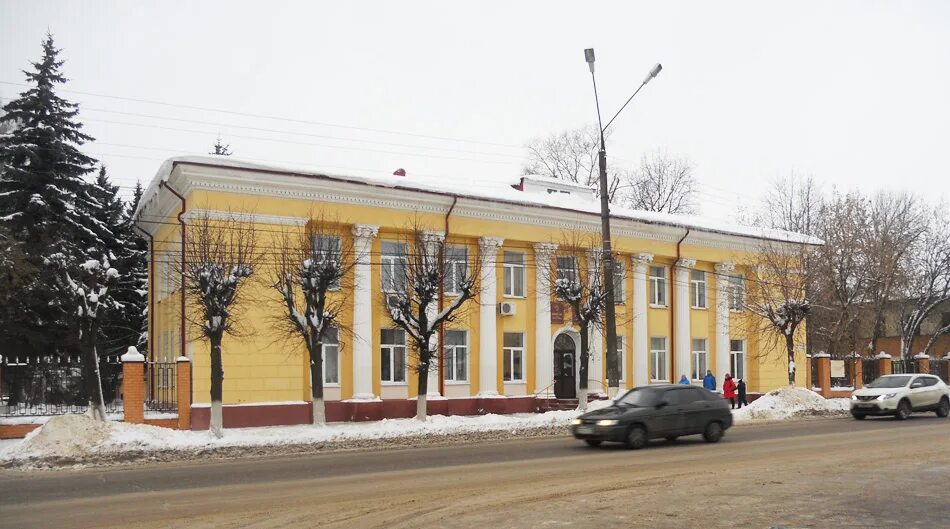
(941, 368)
(37, 385)
(870, 370)
(161, 379)
(902, 366)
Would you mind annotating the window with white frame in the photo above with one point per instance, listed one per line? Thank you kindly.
(658, 359)
(737, 293)
(737, 358)
(326, 248)
(393, 264)
(700, 358)
(619, 297)
(392, 356)
(514, 357)
(658, 288)
(621, 361)
(697, 289)
(456, 356)
(331, 356)
(567, 268)
(514, 274)
(456, 268)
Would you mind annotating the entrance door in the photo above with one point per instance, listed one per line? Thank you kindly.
(565, 373)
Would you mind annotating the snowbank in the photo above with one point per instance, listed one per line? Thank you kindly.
(787, 403)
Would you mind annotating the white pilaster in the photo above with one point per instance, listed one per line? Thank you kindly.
(681, 329)
(595, 370)
(640, 337)
(363, 235)
(432, 241)
(488, 334)
(723, 287)
(543, 352)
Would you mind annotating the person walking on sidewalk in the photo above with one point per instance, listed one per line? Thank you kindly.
(709, 381)
(740, 387)
(729, 390)
(684, 380)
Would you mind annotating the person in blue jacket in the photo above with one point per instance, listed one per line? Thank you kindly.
(684, 380)
(709, 381)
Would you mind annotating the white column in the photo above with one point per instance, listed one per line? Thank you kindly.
(595, 377)
(363, 235)
(640, 337)
(681, 329)
(432, 241)
(723, 287)
(487, 318)
(543, 352)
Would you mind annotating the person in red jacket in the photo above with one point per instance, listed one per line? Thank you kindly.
(729, 390)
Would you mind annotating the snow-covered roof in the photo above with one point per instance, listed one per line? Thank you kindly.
(491, 191)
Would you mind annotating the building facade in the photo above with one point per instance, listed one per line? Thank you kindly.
(679, 292)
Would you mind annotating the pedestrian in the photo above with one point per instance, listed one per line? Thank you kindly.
(741, 389)
(684, 380)
(709, 381)
(729, 390)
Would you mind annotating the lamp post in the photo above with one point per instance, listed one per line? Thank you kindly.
(613, 376)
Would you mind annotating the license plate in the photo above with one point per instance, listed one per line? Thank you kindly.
(864, 405)
(583, 430)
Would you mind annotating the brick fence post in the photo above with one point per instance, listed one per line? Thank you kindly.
(824, 373)
(857, 370)
(808, 383)
(922, 361)
(184, 392)
(884, 366)
(133, 384)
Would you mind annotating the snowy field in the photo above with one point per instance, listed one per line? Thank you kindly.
(77, 439)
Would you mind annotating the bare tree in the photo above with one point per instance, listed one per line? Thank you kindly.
(778, 281)
(313, 262)
(414, 279)
(583, 289)
(792, 203)
(221, 254)
(929, 283)
(662, 183)
(571, 155)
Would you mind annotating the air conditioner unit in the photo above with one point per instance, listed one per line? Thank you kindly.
(506, 308)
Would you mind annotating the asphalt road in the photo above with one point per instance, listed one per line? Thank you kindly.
(477, 483)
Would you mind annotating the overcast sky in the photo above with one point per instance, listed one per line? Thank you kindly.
(856, 94)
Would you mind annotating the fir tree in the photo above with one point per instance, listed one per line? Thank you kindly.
(220, 149)
(132, 288)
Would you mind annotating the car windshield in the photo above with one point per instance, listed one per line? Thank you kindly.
(638, 397)
(890, 382)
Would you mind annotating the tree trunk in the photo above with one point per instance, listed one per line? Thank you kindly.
(92, 381)
(422, 388)
(790, 349)
(217, 385)
(316, 382)
(582, 370)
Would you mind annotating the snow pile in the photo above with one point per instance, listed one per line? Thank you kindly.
(787, 403)
(66, 436)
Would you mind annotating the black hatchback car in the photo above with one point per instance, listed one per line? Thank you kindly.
(653, 412)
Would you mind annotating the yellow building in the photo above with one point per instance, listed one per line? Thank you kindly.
(679, 303)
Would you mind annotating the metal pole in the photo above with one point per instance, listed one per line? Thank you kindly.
(613, 380)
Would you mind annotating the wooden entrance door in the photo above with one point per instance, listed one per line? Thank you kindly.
(565, 372)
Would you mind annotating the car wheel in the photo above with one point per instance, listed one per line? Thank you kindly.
(943, 409)
(713, 432)
(593, 442)
(636, 437)
(903, 410)
(859, 416)
(671, 438)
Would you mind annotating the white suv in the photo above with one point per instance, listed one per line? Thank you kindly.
(899, 395)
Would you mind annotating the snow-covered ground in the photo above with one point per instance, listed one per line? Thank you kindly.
(72, 439)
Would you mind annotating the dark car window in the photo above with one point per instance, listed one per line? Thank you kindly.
(671, 397)
(889, 382)
(929, 381)
(640, 397)
(694, 395)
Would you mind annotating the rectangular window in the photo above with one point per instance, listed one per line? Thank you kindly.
(393, 264)
(621, 363)
(514, 274)
(392, 356)
(567, 268)
(456, 268)
(658, 360)
(697, 288)
(456, 356)
(700, 358)
(514, 357)
(658, 292)
(619, 298)
(331, 356)
(736, 292)
(737, 358)
(326, 249)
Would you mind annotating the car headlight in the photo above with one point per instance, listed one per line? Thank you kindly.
(607, 422)
(575, 422)
(887, 396)
(854, 397)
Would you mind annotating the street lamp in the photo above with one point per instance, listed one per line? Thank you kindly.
(613, 378)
